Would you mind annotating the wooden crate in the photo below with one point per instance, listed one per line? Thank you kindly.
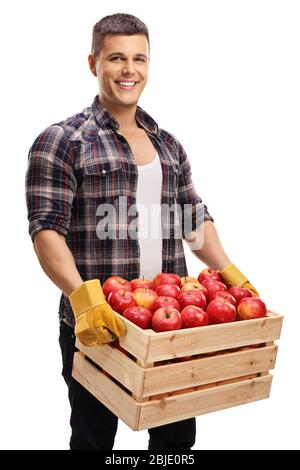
(156, 382)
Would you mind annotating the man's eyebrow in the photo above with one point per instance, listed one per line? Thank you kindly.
(141, 55)
(123, 55)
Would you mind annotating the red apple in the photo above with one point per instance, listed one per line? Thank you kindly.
(166, 278)
(194, 316)
(239, 293)
(120, 299)
(221, 311)
(145, 297)
(213, 287)
(251, 307)
(209, 273)
(165, 301)
(169, 290)
(224, 294)
(140, 316)
(190, 285)
(194, 286)
(186, 279)
(141, 282)
(192, 297)
(165, 319)
(113, 282)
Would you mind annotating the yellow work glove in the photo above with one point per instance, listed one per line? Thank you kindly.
(96, 322)
(233, 277)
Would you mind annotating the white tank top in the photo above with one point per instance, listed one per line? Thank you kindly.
(148, 201)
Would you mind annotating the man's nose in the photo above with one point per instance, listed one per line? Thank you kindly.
(128, 67)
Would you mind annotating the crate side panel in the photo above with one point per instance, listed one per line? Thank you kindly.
(106, 391)
(171, 409)
(116, 363)
(210, 369)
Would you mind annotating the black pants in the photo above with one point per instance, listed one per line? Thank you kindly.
(94, 426)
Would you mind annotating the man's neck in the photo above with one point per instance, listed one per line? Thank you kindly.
(124, 116)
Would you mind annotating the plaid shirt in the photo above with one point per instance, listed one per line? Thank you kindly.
(82, 162)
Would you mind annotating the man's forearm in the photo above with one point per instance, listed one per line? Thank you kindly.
(57, 260)
(211, 252)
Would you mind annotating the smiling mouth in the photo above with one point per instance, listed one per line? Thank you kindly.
(126, 85)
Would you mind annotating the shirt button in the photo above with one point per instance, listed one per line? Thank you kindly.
(103, 172)
(170, 260)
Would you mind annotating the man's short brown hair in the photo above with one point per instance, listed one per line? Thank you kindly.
(118, 23)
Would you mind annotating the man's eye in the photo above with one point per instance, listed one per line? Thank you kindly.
(116, 58)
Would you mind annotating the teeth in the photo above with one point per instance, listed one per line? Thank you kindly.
(129, 84)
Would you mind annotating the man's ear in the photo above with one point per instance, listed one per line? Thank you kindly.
(92, 64)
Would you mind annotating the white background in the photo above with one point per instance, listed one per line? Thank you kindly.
(224, 78)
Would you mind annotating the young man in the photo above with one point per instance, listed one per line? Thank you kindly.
(110, 155)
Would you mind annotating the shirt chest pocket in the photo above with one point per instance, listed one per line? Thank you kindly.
(171, 177)
(103, 180)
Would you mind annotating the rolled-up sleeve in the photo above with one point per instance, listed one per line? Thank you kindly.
(50, 182)
(193, 211)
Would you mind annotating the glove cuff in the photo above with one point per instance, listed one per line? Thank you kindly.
(231, 275)
(87, 295)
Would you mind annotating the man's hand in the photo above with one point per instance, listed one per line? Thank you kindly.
(233, 277)
(96, 323)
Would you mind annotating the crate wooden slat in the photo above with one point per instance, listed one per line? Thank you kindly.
(151, 386)
(207, 370)
(154, 347)
(186, 405)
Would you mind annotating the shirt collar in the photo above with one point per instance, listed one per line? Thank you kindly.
(104, 117)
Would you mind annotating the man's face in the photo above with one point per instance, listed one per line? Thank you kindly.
(122, 68)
